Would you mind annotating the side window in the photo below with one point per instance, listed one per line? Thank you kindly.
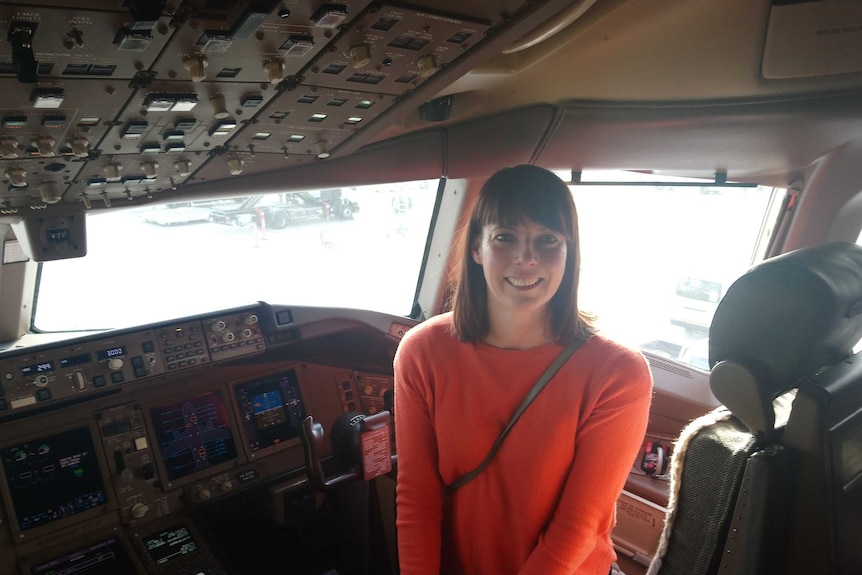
(656, 260)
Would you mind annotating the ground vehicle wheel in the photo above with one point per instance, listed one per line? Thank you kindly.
(346, 213)
(279, 220)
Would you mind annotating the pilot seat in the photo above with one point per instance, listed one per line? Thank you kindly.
(771, 481)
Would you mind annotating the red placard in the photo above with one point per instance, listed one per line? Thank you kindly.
(376, 446)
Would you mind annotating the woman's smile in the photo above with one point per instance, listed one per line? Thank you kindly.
(524, 282)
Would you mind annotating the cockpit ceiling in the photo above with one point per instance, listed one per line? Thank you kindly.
(125, 103)
(117, 103)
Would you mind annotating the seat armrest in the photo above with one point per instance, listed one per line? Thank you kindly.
(648, 487)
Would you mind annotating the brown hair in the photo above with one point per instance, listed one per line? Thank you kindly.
(509, 197)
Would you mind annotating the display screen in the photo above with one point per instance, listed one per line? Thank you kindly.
(75, 360)
(169, 544)
(193, 434)
(37, 368)
(271, 409)
(109, 353)
(53, 477)
(103, 558)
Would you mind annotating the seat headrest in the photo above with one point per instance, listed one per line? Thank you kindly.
(785, 319)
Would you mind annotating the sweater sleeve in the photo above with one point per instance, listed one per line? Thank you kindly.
(419, 489)
(606, 445)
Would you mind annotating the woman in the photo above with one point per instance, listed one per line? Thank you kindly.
(545, 504)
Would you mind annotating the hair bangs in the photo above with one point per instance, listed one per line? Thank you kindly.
(513, 197)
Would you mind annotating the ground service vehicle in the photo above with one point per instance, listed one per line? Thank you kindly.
(156, 380)
(281, 210)
(695, 302)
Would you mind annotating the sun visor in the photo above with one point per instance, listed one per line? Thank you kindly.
(813, 38)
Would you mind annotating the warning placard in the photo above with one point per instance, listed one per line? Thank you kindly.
(376, 452)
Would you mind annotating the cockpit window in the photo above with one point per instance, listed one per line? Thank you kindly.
(656, 259)
(356, 247)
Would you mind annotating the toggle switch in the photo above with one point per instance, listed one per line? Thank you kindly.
(183, 167)
(80, 147)
(427, 65)
(50, 192)
(196, 66)
(17, 177)
(45, 146)
(360, 55)
(8, 148)
(149, 169)
(112, 172)
(20, 36)
(274, 70)
(234, 166)
(219, 107)
(74, 39)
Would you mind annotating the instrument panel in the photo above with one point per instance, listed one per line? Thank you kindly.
(111, 443)
(86, 367)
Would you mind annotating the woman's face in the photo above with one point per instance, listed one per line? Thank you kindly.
(523, 265)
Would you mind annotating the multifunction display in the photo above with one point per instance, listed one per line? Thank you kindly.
(271, 409)
(53, 477)
(170, 544)
(193, 434)
(106, 557)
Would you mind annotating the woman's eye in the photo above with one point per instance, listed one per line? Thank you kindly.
(549, 240)
(505, 237)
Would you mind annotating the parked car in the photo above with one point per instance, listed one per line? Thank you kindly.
(281, 210)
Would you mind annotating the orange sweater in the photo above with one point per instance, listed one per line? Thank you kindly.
(546, 504)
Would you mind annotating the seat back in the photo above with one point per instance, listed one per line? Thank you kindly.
(746, 479)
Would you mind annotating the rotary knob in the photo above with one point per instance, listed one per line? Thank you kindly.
(138, 510)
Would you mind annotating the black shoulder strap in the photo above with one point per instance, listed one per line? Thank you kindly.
(531, 395)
